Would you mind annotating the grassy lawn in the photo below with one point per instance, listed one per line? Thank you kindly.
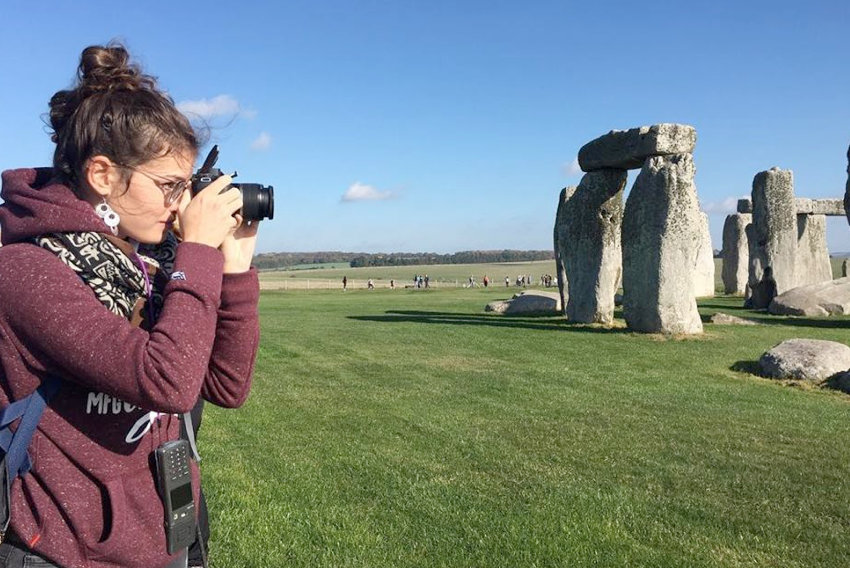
(410, 428)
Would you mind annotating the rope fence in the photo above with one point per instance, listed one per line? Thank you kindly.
(331, 284)
(357, 284)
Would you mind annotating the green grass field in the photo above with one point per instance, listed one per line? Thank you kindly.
(411, 428)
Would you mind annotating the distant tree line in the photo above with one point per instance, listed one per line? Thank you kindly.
(282, 260)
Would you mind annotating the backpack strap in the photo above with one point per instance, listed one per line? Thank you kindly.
(16, 461)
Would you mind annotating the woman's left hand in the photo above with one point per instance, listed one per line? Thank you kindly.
(238, 246)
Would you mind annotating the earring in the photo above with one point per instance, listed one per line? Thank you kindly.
(109, 216)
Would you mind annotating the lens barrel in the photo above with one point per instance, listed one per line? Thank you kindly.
(257, 201)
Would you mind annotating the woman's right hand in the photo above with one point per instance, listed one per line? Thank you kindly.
(208, 217)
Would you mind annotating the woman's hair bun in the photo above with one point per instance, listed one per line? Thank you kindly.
(116, 110)
(104, 68)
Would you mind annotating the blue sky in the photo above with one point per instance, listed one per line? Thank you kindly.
(443, 126)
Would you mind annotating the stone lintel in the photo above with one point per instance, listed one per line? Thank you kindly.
(629, 149)
(805, 206)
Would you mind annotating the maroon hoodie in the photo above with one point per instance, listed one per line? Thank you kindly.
(90, 499)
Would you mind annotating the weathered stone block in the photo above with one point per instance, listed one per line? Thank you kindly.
(661, 227)
(703, 276)
(735, 253)
(773, 239)
(725, 319)
(818, 300)
(805, 360)
(629, 149)
(528, 302)
(847, 188)
(593, 259)
(828, 207)
(561, 244)
(813, 263)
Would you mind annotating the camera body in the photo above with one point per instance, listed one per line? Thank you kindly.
(257, 199)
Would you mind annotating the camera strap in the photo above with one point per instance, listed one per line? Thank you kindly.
(190, 435)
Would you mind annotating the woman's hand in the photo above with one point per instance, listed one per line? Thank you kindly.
(208, 218)
(238, 246)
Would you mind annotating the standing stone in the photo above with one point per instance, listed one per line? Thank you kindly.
(813, 265)
(773, 238)
(560, 244)
(704, 268)
(661, 227)
(847, 188)
(736, 254)
(628, 149)
(593, 259)
(844, 267)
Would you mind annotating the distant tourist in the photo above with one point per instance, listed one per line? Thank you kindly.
(370, 284)
(486, 281)
(392, 284)
(507, 282)
(344, 283)
(427, 281)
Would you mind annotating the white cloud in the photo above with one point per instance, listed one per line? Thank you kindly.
(571, 169)
(262, 142)
(222, 105)
(362, 192)
(727, 206)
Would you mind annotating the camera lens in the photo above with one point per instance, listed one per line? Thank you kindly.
(257, 201)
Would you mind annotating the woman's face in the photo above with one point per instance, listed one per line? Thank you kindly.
(146, 215)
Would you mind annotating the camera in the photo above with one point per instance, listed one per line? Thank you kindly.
(257, 199)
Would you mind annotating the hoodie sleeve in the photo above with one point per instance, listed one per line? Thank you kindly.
(60, 327)
(237, 337)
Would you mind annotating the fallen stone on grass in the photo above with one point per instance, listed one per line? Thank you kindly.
(805, 360)
(824, 299)
(528, 302)
(725, 319)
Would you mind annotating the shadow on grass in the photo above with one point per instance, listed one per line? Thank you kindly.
(524, 321)
(840, 382)
(751, 367)
(723, 307)
(807, 322)
(766, 318)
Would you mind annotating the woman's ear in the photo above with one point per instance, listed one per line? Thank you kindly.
(102, 176)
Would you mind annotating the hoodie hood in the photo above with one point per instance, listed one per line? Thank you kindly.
(34, 203)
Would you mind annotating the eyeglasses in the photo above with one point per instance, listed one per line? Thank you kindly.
(172, 189)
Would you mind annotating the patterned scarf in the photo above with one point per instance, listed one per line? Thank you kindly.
(114, 271)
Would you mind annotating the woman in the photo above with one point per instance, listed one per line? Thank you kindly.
(96, 290)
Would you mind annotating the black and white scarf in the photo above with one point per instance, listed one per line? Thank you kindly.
(114, 271)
